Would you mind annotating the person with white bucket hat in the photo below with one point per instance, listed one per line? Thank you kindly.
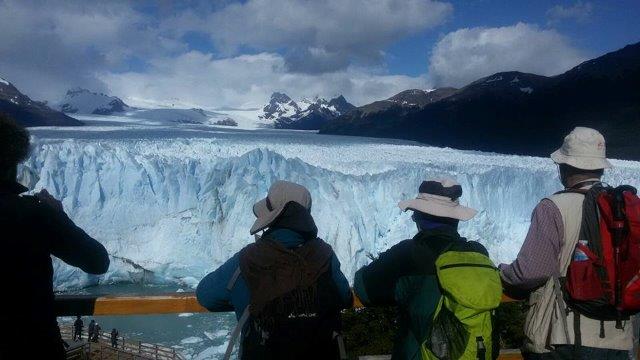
(410, 275)
(551, 331)
(286, 288)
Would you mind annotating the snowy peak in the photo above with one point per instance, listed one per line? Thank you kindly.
(29, 112)
(279, 106)
(10, 93)
(307, 114)
(83, 101)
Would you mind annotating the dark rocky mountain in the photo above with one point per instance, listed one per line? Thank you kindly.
(284, 113)
(84, 101)
(29, 112)
(226, 122)
(518, 113)
(405, 102)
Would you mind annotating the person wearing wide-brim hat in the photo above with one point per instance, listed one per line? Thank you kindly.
(405, 275)
(287, 268)
(545, 256)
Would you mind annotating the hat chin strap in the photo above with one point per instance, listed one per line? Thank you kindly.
(583, 183)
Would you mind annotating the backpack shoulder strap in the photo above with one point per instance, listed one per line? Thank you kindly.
(234, 278)
(243, 319)
(236, 332)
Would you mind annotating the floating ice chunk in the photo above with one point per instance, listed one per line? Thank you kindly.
(216, 335)
(191, 340)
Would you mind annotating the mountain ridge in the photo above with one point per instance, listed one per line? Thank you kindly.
(284, 113)
(28, 112)
(520, 113)
(83, 101)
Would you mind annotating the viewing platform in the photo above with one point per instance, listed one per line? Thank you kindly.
(174, 303)
(126, 349)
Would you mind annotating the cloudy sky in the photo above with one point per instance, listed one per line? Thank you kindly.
(223, 53)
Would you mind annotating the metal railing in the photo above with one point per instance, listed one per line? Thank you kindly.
(175, 303)
(131, 349)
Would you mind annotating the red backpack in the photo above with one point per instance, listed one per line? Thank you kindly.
(603, 279)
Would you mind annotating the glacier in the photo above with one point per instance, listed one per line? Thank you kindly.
(171, 205)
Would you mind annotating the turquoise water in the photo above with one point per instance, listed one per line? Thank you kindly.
(197, 336)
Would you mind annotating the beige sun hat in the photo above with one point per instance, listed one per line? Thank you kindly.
(583, 148)
(439, 197)
(280, 194)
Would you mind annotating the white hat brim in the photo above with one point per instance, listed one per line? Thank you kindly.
(580, 162)
(441, 208)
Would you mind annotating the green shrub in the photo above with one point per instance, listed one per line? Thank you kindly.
(371, 331)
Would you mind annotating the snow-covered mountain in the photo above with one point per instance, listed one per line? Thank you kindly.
(83, 101)
(30, 112)
(284, 113)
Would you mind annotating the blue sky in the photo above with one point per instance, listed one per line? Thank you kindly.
(609, 25)
(228, 53)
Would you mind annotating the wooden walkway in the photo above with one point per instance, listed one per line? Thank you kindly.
(126, 349)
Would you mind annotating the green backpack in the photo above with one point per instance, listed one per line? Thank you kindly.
(462, 326)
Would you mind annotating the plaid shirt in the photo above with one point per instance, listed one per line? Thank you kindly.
(538, 258)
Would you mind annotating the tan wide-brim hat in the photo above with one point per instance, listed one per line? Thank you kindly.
(583, 148)
(439, 197)
(271, 207)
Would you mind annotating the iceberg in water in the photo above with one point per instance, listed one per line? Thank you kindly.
(170, 210)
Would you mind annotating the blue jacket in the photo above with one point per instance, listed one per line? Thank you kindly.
(212, 291)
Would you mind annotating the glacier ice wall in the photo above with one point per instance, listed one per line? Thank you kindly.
(169, 213)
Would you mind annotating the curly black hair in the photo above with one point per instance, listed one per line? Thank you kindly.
(14, 143)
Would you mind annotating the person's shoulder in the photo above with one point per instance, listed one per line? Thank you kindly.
(560, 196)
(405, 244)
(470, 246)
(22, 203)
(32, 207)
(323, 244)
(551, 204)
(404, 247)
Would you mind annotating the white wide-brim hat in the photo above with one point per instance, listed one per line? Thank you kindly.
(439, 198)
(583, 148)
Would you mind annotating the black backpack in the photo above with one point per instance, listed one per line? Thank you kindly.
(303, 324)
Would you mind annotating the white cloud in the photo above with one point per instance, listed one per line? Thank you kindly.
(580, 12)
(467, 54)
(323, 35)
(47, 48)
(197, 79)
(303, 47)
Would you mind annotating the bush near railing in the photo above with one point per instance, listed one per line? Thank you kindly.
(372, 330)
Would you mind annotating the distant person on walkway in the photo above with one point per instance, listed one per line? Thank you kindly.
(114, 338)
(551, 331)
(286, 288)
(410, 275)
(77, 328)
(91, 329)
(97, 333)
(32, 229)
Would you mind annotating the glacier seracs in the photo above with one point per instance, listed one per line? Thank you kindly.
(170, 210)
